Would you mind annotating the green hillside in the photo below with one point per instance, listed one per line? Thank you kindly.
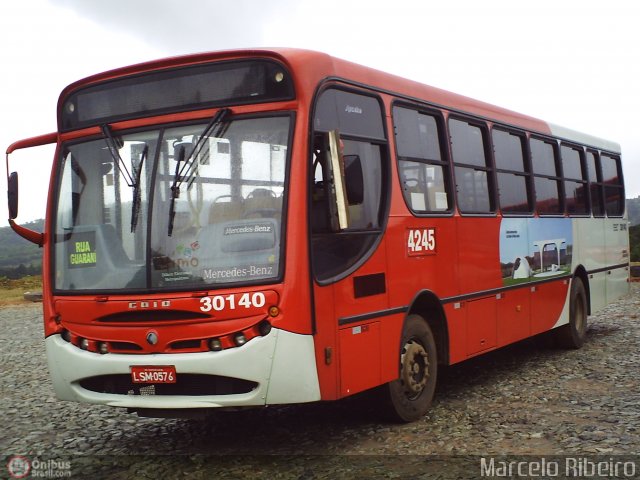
(18, 257)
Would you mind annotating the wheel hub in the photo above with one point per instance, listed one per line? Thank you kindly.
(415, 367)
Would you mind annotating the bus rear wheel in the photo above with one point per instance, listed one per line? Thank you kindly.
(574, 334)
(409, 396)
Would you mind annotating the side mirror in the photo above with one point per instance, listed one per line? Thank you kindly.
(12, 195)
(12, 186)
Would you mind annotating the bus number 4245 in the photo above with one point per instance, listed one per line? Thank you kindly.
(421, 241)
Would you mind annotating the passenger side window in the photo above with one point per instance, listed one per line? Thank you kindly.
(595, 180)
(546, 178)
(575, 183)
(423, 172)
(613, 187)
(472, 171)
(514, 189)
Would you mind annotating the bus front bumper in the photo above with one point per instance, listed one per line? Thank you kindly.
(281, 367)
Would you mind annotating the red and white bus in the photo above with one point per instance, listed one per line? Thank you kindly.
(265, 227)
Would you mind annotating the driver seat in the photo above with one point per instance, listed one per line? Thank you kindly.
(226, 211)
(262, 202)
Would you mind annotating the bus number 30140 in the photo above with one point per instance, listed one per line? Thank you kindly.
(233, 301)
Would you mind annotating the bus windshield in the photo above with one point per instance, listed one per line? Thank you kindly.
(171, 208)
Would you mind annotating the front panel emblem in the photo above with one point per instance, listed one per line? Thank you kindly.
(152, 338)
(150, 304)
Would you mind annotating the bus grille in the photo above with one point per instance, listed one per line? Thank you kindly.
(186, 384)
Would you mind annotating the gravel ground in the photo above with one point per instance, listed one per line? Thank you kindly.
(526, 399)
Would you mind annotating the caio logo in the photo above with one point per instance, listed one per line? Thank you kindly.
(149, 304)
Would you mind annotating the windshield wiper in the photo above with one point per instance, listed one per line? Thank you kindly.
(215, 128)
(115, 155)
(132, 181)
(189, 169)
(175, 190)
(135, 206)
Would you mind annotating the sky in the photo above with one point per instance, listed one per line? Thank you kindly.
(575, 63)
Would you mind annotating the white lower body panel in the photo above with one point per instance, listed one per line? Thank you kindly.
(282, 364)
(565, 315)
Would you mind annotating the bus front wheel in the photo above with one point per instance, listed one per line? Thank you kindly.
(409, 396)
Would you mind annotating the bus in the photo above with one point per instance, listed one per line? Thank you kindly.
(262, 227)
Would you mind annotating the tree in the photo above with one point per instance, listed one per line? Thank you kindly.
(634, 242)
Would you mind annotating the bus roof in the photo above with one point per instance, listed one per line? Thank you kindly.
(310, 67)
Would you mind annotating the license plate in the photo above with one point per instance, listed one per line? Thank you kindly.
(153, 374)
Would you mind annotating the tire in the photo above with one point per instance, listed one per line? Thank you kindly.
(409, 397)
(574, 334)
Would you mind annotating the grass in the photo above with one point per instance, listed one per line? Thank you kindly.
(12, 291)
(508, 281)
